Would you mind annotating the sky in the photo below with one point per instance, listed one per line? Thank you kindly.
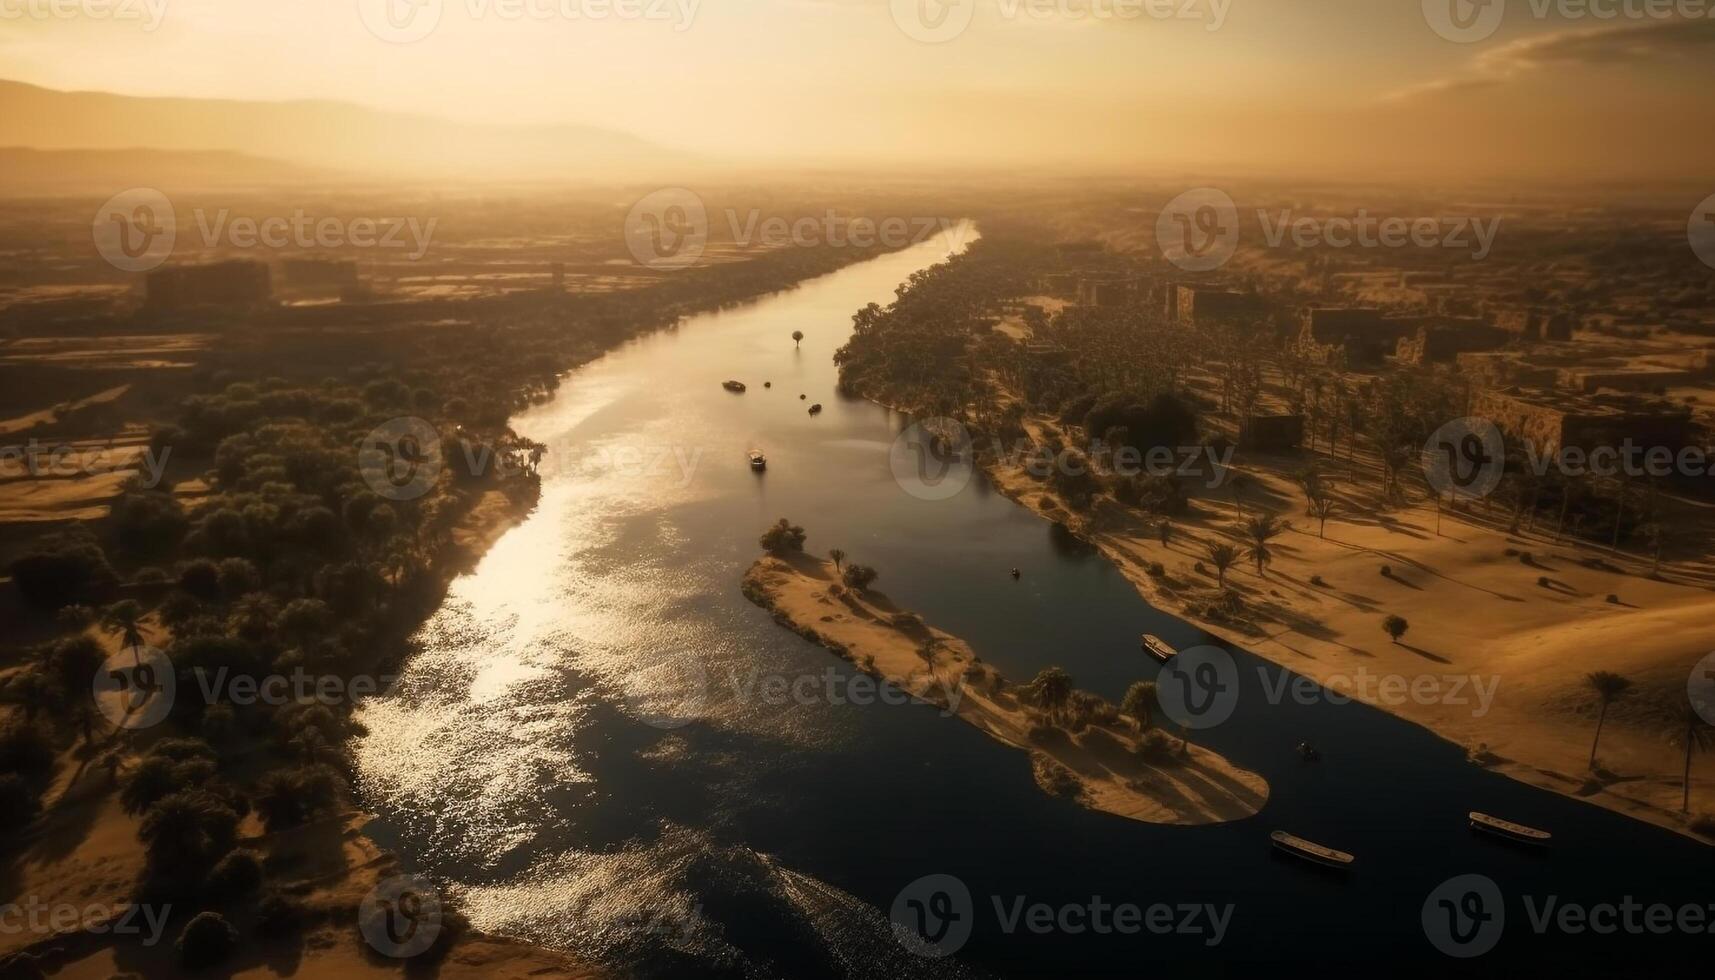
(1347, 87)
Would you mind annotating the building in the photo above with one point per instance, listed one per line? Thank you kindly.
(318, 275)
(1549, 422)
(1441, 339)
(237, 283)
(1108, 291)
(1364, 333)
(1535, 324)
(1500, 369)
(1204, 304)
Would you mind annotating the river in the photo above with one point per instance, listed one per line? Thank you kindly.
(584, 752)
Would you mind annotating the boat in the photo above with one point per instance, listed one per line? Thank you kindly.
(1508, 830)
(768, 384)
(1311, 851)
(1158, 648)
(1309, 753)
(737, 386)
(758, 461)
(816, 409)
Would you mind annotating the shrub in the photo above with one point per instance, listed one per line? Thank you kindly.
(62, 570)
(1387, 571)
(201, 578)
(76, 617)
(1704, 823)
(1157, 746)
(1542, 580)
(206, 940)
(287, 798)
(279, 914)
(26, 752)
(1157, 570)
(783, 538)
(185, 833)
(1395, 627)
(1317, 580)
(860, 577)
(237, 875)
(908, 622)
(1613, 599)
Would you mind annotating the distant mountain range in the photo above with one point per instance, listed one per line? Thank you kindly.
(273, 140)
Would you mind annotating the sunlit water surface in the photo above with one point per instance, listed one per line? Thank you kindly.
(580, 757)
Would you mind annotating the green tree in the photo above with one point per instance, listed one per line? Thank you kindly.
(1139, 704)
(1052, 689)
(1261, 530)
(838, 556)
(1694, 734)
(1395, 627)
(1223, 556)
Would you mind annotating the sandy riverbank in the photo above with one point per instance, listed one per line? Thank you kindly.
(1529, 625)
(1099, 767)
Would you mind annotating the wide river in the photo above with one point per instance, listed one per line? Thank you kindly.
(588, 751)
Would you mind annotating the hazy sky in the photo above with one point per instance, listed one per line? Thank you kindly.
(1348, 86)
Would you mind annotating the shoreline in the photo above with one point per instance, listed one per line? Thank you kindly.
(1100, 766)
(1307, 634)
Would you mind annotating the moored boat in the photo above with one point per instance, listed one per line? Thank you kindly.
(1311, 851)
(1158, 648)
(737, 386)
(758, 461)
(1508, 830)
(816, 409)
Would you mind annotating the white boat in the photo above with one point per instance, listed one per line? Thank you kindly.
(1158, 648)
(733, 386)
(1509, 830)
(1311, 851)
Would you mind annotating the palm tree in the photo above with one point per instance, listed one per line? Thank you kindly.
(1609, 687)
(125, 618)
(797, 337)
(1139, 704)
(838, 556)
(1693, 733)
(1261, 530)
(1238, 481)
(1052, 688)
(1223, 556)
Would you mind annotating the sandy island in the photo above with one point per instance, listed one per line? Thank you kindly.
(1100, 766)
